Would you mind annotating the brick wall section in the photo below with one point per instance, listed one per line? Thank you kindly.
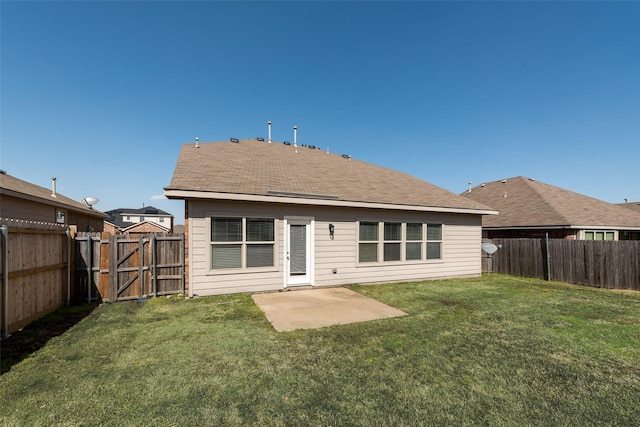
(146, 227)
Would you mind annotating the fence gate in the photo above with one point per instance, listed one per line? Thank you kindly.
(123, 267)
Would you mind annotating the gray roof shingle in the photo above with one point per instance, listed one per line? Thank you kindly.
(252, 167)
(525, 202)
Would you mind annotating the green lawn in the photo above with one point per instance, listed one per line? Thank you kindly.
(496, 350)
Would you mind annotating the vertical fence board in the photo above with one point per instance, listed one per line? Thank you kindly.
(603, 264)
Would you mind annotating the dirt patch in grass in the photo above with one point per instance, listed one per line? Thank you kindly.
(34, 336)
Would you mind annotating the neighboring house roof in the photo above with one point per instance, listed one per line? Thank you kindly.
(630, 205)
(524, 202)
(115, 216)
(12, 186)
(276, 172)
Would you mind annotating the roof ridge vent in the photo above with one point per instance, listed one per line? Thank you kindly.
(234, 140)
(346, 156)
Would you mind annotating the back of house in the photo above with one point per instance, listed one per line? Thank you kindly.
(262, 216)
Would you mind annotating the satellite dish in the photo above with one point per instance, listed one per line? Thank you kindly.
(489, 248)
(90, 201)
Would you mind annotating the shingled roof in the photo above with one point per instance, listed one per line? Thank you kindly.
(257, 170)
(12, 186)
(525, 202)
(630, 205)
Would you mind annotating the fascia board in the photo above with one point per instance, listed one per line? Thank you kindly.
(182, 194)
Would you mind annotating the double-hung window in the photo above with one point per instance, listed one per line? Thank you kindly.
(434, 241)
(368, 242)
(392, 241)
(413, 248)
(242, 242)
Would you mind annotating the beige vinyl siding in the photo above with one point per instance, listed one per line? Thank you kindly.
(460, 248)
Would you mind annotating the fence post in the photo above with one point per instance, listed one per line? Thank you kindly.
(5, 281)
(154, 261)
(89, 266)
(68, 234)
(141, 266)
(548, 258)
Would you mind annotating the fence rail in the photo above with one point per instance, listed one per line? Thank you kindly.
(119, 267)
(35, 273)
(603, 264)
(43, 267)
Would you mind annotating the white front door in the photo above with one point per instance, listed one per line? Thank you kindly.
(298, 252)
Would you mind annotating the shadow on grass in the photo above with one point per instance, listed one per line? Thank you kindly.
(35, 335)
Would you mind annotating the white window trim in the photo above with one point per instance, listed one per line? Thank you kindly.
(403, 242)
(311, 247)
(583, 234)
(243, 251)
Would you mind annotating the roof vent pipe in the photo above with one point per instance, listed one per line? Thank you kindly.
(295, 133)
(269, 126)
(197, 142)
(469, 191)
(53, 187)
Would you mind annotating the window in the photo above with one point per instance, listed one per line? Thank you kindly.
(413, 248)
(397, 241)
(599, 235)
(141, 219)
(392, 241)
(60, 217)
(242, 242)
(161, 219)
(434, 241)
(368, 245)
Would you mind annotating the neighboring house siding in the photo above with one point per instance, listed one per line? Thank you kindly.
(460, 247)
(27, 210)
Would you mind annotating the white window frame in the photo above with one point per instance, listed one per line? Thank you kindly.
(596, 231)
(381, 242)
(243, 243)
(439, 241)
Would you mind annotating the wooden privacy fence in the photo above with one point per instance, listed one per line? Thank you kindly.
(35, 272)
(122, 267)
(603, 264)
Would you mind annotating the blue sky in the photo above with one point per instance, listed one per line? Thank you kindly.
(102, 95)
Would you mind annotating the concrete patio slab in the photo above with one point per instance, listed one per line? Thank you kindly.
(317, 308)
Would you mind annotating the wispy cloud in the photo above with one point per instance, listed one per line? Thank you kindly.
(158, 197)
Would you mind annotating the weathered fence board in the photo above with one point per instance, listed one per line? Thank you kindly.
(35, 273)
(127, 268)
(603, 264)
